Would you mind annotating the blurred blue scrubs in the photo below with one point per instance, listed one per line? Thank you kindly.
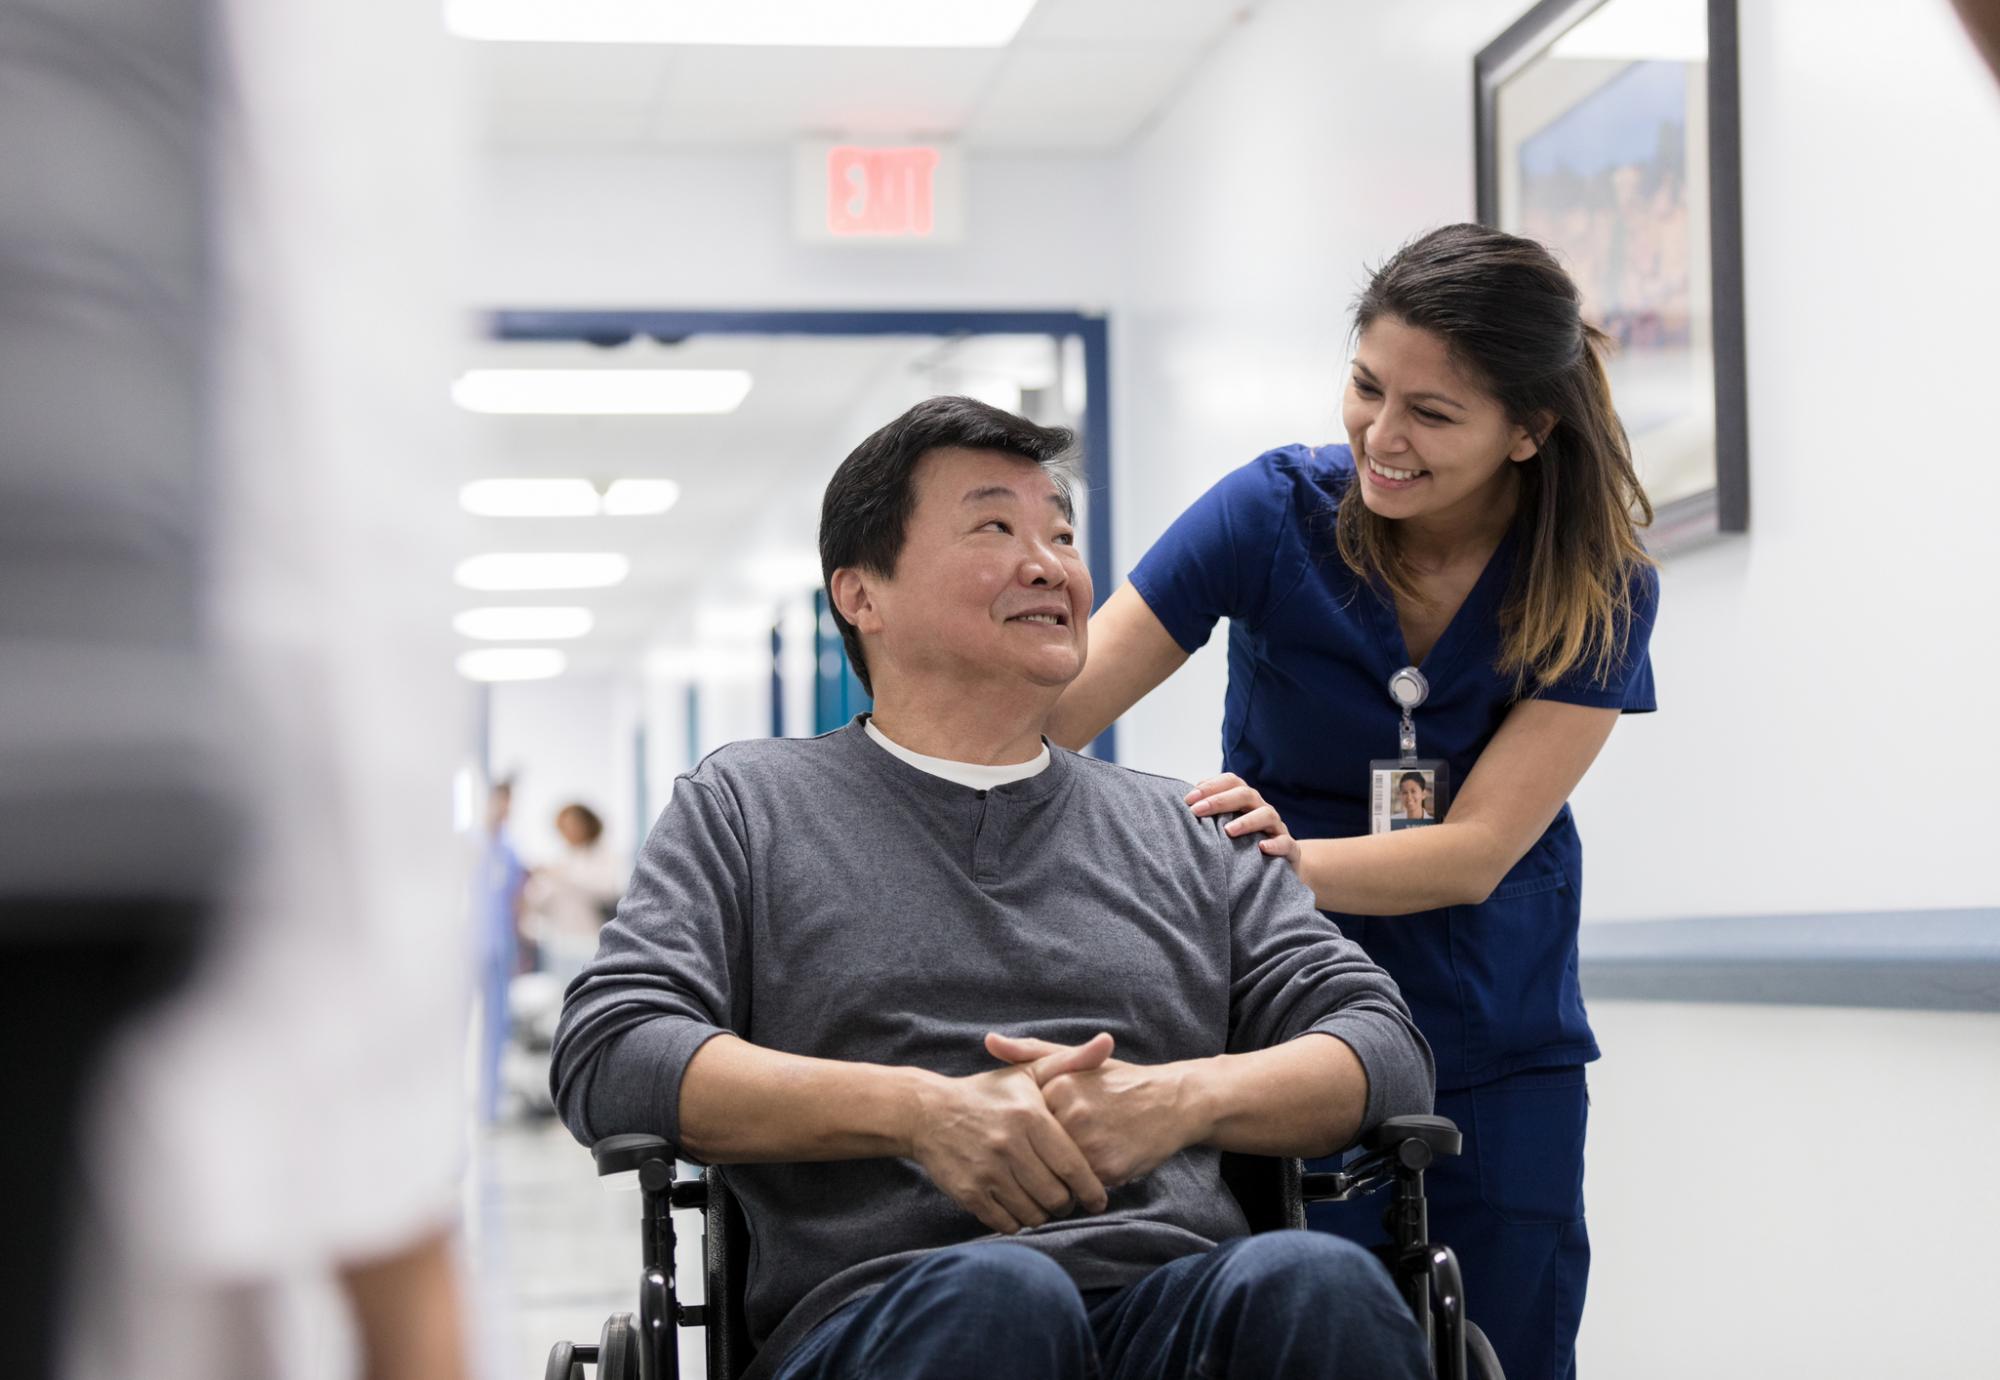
(501, 877)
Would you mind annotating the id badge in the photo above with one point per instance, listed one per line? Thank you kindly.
(1410, 791)
(1407, 794)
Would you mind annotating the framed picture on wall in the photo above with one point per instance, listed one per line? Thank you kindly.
(1607, 129)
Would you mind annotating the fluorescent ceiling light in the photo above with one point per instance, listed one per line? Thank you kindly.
(787, 23)
(601, 392)
(529, 498)
(547, 498)
(543, 570)
(524, 624)
(511, 663)
(640, 497)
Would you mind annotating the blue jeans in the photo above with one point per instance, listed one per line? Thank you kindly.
(1285, 1305)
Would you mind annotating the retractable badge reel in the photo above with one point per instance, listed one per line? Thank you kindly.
(1408, 791)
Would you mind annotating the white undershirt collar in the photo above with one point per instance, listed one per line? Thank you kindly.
(973, 774)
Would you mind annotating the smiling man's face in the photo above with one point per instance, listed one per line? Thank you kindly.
(990, 587)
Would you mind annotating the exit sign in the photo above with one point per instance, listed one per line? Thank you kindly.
(878, 194)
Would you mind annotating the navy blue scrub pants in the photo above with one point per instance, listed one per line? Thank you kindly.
(1511, 1206)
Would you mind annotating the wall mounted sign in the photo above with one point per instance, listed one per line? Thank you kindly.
(895, 193)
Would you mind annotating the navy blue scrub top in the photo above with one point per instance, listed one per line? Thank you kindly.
(1311, 649)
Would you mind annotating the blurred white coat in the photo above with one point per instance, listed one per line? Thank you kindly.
(301, 1103)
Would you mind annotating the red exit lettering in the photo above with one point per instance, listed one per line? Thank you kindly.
(879, 191)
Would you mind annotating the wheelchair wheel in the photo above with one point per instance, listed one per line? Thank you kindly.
(618, 1349)
(1481, 1361)
(563, 1364)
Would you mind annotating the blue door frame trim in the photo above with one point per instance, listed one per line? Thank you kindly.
(606, 327)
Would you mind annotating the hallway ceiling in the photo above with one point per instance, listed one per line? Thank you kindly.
(1082, 76)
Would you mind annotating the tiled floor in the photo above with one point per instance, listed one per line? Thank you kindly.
(553, 1253)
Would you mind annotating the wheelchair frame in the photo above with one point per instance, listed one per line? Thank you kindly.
(1273, 1193)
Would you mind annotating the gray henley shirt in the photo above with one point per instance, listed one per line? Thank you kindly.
(824, 898)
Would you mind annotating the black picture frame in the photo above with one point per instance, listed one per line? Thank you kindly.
(1725, 508)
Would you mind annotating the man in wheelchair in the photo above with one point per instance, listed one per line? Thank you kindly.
(971, 1019)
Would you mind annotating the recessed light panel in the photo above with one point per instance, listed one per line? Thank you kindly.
(787, 23)
(543, 570)
(553, 624)
(640, 497)
(529, 498)
(511, 663)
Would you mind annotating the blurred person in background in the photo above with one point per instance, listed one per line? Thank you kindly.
(497, 926)
(569, 900)
(227, 693)
(561, 907)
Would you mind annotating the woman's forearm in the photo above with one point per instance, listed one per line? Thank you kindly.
(1403, 872)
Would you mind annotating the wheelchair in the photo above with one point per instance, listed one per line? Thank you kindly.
(1272, 1192)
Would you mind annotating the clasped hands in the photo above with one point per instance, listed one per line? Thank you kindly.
(1046, 1135)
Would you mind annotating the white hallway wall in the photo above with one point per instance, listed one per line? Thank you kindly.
(1227, 243)
(714, 229)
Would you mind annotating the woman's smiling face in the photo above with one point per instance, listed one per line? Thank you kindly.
(1427, 441)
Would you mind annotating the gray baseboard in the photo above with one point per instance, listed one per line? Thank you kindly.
(1927, 960)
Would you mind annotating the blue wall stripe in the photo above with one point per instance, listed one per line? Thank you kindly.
(1936, 960)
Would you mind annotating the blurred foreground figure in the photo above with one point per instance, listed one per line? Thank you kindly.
(112, 808)
(224, 332)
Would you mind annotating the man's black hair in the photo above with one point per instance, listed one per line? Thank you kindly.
(866, 512)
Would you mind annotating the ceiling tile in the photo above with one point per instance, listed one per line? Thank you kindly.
(552, 93)
(789, 93)
(1079, 97)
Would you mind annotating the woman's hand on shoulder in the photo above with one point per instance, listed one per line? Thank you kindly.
(1231, 794)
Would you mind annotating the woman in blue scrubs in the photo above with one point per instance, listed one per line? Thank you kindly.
(1480, 524)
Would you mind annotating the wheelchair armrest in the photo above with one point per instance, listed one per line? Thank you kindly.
(624, 1154)
(646, 1163)
(1440, 1133)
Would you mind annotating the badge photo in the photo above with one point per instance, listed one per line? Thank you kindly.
(1407, 794)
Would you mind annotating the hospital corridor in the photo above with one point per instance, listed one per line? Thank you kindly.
(999, 689)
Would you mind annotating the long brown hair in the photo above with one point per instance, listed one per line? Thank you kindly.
(1512, 321)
